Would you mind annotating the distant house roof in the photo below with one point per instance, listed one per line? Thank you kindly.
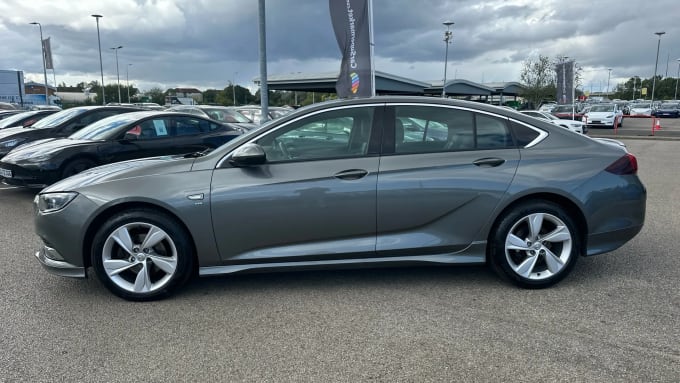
(459, 87)
(507, 88)
(385, 83)
(184, 90)
(39, 84)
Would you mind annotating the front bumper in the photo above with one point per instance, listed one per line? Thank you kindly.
(53, 262)
(28, 176)
(63, 235)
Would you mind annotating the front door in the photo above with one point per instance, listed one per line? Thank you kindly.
(314, 198)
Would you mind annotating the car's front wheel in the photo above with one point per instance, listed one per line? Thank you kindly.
(534, 245)
(142, 255)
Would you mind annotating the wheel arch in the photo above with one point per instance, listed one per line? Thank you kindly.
(112, 210)
(568, 205)
(79, 156)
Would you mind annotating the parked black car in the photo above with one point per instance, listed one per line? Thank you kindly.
(25, 118)
(118, 138)
(60, 124)
(668, 109)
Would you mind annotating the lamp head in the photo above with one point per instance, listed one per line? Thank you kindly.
(659, 33)
(448, 23)
(97, 16)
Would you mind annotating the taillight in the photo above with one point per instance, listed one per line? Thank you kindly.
(624, 165)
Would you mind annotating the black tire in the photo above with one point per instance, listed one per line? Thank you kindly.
(508, 264)
(175, 248)
(76, 166)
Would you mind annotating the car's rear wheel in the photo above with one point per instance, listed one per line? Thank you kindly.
(534, 245)
(142, 255)
(77, 166)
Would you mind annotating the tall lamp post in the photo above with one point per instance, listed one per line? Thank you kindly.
(676, 82)
(448, 36)
(609, 76)
(42, 49)
(127, 80)
(101, 66)
(233, 89)
(658, 45)
(117, 72)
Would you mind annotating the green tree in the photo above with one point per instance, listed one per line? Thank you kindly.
(538, 77)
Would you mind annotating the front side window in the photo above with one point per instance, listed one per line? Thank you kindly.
(334, 134)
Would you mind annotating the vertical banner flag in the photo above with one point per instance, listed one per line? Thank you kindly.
(565, 82)
(351, 24)
(47, 51)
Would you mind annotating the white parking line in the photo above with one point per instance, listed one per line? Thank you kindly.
(9, 187)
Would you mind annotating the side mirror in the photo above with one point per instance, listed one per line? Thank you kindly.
(248, 155)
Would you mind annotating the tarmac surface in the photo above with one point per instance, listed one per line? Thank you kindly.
(616, 318)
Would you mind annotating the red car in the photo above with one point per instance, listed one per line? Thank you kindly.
(564, 112)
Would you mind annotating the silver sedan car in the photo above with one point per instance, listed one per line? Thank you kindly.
(382, 181)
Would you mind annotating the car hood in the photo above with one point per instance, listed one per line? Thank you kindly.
(640, 109)
(121, 170)
(8, 132)
(42, 148)
(600, 114)
(667, 110)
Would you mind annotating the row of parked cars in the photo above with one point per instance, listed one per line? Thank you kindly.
(38, 148)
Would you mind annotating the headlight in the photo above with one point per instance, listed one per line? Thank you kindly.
(11, 143)
(50, 202)
(610, 116)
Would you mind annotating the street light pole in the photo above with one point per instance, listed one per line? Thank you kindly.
(101, 66)
(233, 89)
(448, 36)
(658, 45)
(127, 80)
(608, 78)
(675, 98)
(117, 72)
(42, 49)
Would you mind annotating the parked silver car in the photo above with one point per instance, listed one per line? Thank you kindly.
(346, 184)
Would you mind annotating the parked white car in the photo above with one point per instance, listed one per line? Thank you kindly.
(641, 109)
(573, 125)
(604, 115)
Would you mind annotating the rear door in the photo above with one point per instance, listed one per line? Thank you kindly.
(443, 173)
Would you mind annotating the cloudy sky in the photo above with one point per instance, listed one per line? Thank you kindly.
(208, 43)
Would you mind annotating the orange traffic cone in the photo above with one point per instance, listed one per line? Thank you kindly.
(657, 124)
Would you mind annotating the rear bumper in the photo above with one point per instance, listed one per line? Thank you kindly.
(610, 241)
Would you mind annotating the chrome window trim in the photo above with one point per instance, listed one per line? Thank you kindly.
(541, 133)
(252, 140)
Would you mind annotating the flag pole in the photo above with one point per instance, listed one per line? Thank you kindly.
(372, 44)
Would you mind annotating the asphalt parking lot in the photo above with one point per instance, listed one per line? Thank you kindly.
(616, 318)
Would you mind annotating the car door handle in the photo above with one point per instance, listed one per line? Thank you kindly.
(489, 162)
(352, 174)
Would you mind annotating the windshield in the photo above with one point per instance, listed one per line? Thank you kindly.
(669, 106)
(641, 106)
(11, 121)
(225, 115)
(105, 129)
(562, 109)
(54, 120)
(602, 108)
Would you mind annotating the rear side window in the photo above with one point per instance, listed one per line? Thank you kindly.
(426, 129)
(524, 135)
